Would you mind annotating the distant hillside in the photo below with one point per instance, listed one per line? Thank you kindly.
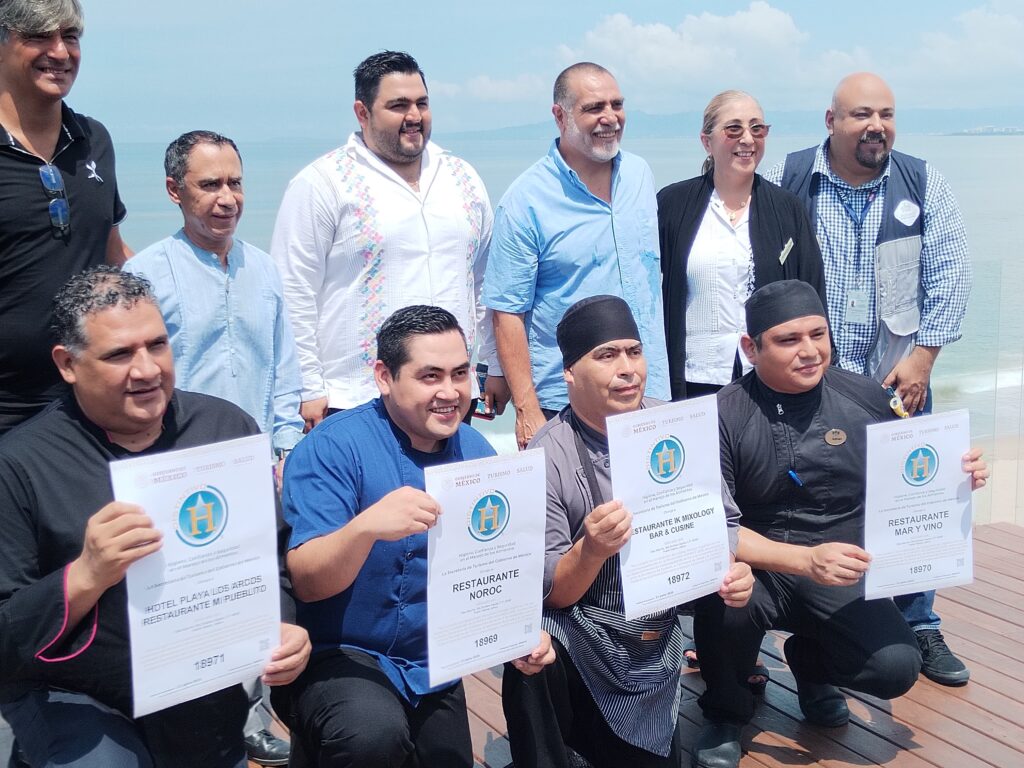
(643, 125)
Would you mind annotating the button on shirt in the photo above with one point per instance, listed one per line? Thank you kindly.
(848, 220)
(228, 329)
(348, 463)
(354, 242)
(555, 243)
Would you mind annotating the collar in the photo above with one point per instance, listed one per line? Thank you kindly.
(445, 453)
(69, 122)
(356, 148)
(823, 167)
(566, 170)
(162, 443)
(789, 403)
(595, 442)
(204, 255)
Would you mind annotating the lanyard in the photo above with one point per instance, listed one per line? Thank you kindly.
(858, 218)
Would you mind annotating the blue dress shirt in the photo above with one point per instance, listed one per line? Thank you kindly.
(347, 464)
(229, 329)
(555, 243)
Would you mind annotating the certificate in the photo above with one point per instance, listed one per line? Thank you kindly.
(485, 563)
(204, 610)
(918, 505)
(665, 470)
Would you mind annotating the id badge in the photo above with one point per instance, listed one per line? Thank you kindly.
(857, 307)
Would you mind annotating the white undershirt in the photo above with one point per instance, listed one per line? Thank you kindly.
(719, 279)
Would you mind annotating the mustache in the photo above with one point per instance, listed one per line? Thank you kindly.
(874, 136)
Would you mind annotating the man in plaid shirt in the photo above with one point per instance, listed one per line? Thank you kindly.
(897, 271)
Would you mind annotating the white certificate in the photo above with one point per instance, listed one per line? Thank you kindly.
(485, 561)
(918, 505)
(204, 611)
(665, 470)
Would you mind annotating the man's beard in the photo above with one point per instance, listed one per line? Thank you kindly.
(390, 148)
(587, 143)
(872, 158)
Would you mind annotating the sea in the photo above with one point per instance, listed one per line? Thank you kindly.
(982, 372)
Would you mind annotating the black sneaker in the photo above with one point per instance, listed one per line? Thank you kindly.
(938, 663)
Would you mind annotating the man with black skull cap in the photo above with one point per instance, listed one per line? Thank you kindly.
(793, 450)
(612, 692)
(897, 270)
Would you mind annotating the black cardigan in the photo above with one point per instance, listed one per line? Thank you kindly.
(776, 215)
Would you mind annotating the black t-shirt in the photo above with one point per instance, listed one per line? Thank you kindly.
(35, 261)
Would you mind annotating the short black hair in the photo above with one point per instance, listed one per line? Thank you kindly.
(373, 68)
(417, 320)
(178, 151)
(94, 290)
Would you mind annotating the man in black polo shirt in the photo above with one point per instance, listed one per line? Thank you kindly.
(65, 676)
(59, 207)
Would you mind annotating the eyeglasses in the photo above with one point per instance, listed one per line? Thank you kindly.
(735, 130)
(60, 212)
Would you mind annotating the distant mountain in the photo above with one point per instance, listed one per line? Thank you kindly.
(974, 122)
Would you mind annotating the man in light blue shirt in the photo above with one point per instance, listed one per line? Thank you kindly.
(221, 298)
(223, 305)
(581, 221)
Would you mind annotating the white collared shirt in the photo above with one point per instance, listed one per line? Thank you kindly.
(354, 242)
(720, 278)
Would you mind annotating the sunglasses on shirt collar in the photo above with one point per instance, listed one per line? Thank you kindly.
(60, 212)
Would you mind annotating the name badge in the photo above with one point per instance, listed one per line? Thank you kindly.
(785, 251)
(857, 305)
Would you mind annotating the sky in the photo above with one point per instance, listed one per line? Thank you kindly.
(263, 69)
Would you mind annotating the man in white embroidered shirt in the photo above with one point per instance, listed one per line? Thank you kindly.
(386, 221)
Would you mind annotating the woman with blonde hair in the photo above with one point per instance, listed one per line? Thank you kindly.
(723, 235)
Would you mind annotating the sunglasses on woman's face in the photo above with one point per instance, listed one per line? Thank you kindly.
(736, 130)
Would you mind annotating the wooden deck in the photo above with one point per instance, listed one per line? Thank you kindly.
(980, 725)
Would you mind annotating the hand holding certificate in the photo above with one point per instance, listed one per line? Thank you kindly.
(203, 610)
(665, 470)
(485, 563)
(918, 505)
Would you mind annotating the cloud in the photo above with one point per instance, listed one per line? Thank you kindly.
(471, 104)
(979, 60)
(524, 88)
(444, 88)
(788, 59)
(974, 60)
(702, 54)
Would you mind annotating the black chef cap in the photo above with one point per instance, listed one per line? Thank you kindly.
(591, 322)
(780, 302)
